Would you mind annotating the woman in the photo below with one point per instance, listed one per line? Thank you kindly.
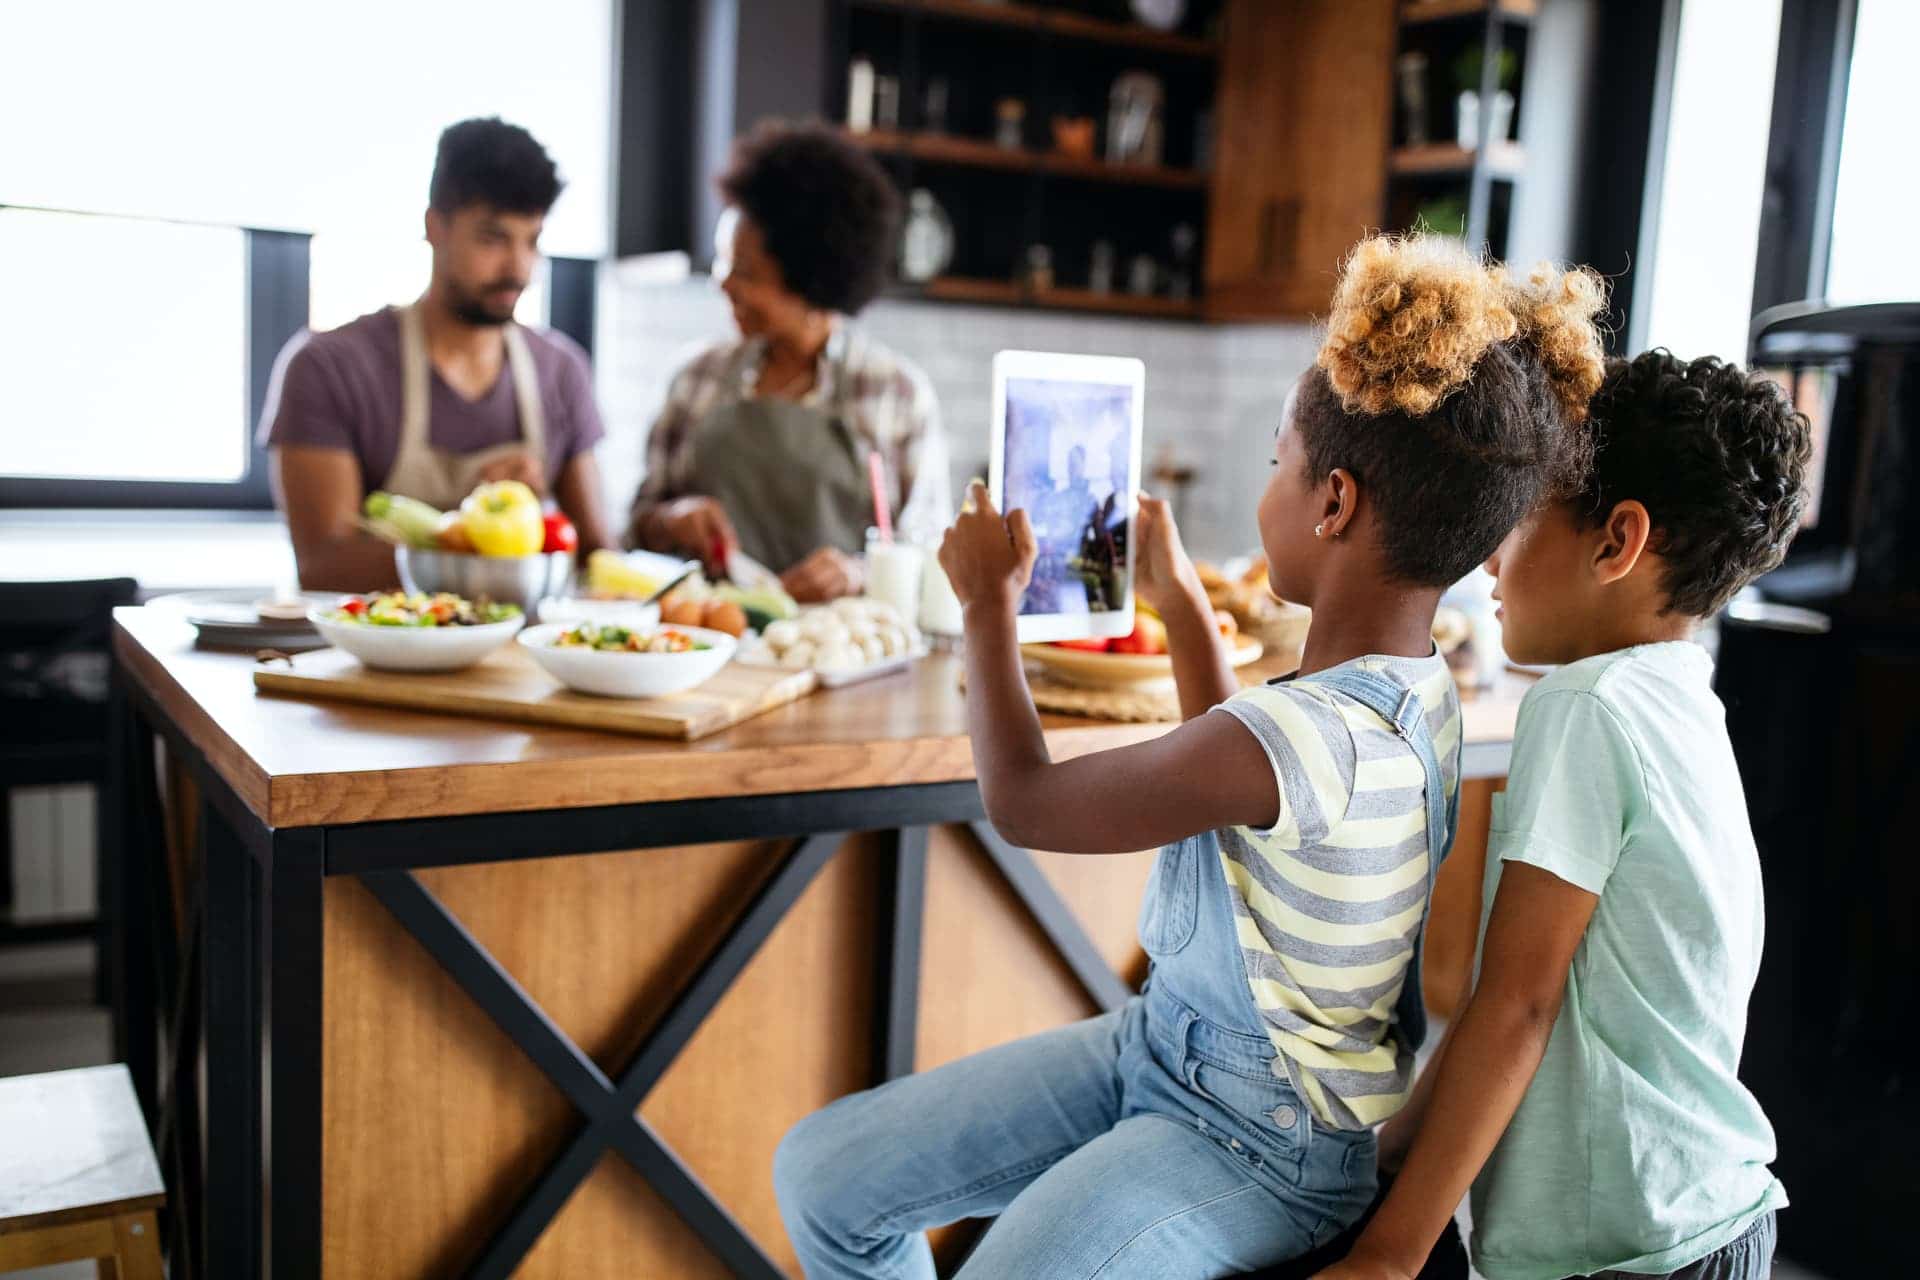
(764, 441)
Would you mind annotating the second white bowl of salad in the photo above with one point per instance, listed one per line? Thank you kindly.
(627, 662)
(394, 631)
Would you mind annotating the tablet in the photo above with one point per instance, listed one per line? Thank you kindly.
(1066, 449)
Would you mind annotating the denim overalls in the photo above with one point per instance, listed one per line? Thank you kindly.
(1163, 1140)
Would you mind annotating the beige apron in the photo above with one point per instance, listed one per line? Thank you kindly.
(441, 477)
(791, 477)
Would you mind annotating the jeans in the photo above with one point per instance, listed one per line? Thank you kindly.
(1747, 1257)
(1148, 1142)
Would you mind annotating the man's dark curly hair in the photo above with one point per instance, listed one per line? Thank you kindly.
(493, 163)
(827, 210)
(1718, 457)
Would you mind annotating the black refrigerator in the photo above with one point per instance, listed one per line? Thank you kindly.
(1819, 668)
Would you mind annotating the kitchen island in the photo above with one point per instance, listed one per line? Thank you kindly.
(491, 999)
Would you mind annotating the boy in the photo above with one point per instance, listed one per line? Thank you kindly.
(1589, 1090)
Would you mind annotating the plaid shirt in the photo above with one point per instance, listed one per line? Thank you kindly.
(888, 401)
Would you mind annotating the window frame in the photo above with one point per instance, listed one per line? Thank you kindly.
(275, 309)
(277, 305)
(1803, 151)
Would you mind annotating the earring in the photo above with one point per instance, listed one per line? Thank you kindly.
(1320, 530)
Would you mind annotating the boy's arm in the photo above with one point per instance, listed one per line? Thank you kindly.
(1209, 772)
(1492, 1053)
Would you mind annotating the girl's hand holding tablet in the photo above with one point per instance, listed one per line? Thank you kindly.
(1163, 572)
(988, 557)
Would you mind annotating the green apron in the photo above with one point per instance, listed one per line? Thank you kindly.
(791, 477)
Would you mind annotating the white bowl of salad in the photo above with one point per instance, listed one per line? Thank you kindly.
(616, 661)
(401, 631)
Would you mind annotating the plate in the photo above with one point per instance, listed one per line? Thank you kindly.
(415, 648)
(1142, 671)
(228, 619)
(628, 675)
(754, 655)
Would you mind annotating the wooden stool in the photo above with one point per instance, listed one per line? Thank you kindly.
(77, 1175)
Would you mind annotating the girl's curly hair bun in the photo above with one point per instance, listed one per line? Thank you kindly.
(1411, 317)
(1557, 311)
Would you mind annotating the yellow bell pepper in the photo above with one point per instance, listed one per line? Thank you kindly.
(503, 519)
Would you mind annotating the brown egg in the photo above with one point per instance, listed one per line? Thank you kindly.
(724, 615)
(681, 611)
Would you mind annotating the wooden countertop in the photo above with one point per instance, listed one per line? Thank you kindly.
(304, 763)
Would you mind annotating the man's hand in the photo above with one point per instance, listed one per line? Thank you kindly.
(827, 574)
(1163, 573)
(987, 557)
(695, 526)
(519, 465)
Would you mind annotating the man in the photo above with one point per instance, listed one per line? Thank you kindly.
(435, 398)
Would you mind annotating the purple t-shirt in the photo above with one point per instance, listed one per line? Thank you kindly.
(341, 390)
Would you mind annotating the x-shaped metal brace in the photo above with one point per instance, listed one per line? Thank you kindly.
(609, 1106)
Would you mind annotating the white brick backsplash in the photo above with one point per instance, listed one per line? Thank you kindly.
(1213, 392)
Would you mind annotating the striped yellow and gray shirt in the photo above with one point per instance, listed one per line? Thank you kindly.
(1328, 902)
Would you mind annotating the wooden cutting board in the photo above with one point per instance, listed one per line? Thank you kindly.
(508, 685)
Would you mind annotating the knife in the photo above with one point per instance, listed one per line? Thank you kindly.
(749, 573)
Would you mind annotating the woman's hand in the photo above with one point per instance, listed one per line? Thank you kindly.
(694, 526)
(827, 574)
(1163, 573)
(987, 557)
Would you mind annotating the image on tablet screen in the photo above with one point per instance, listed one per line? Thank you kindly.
(1068, 446)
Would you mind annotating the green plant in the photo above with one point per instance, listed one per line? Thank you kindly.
(1467, 68)
(1442, 215)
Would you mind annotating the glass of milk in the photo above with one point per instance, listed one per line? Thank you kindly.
(893, 573)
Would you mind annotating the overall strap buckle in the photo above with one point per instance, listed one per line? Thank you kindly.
(1407, 714)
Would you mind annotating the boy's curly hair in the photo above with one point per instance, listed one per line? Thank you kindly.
(1717, 455)
(1453, 393)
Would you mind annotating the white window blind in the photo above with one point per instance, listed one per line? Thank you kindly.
(295, 116)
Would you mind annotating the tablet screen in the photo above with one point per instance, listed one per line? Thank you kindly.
(1069, 447)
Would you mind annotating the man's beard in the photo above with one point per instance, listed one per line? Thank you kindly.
(473, 309)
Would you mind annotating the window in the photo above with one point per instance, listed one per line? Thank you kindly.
(214, 139)
(354, 274)
(1706, 226)
(315, 118)
(126, 349)
(1878, 192)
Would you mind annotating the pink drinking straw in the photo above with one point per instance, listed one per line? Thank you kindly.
(877, 476)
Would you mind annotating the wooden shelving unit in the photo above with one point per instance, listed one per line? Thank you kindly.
(1006, 293)
(1072, 25)
(1417, 11)
(1503, 160)
(944, 148)
(1008, 203)
(1477, 45)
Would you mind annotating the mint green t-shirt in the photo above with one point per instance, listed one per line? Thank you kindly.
(1636, 1147)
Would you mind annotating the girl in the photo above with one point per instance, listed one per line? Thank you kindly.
(1222, 1120)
